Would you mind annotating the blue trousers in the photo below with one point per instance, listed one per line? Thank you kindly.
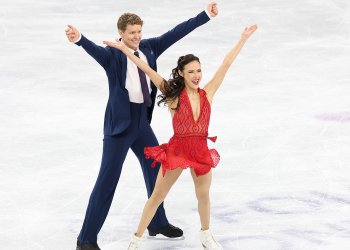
(137, 136)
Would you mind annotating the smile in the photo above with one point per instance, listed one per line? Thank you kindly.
(196, 82)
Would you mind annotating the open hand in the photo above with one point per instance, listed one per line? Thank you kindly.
(212, 8)
(116, 44)
(72, 33)
(248, 31)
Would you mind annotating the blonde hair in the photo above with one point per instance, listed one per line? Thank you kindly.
(128, 18)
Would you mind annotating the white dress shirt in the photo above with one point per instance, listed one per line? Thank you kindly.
(132, 82)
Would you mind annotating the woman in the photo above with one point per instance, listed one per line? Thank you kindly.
(190, 110)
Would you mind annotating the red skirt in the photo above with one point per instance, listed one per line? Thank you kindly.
(184, 152)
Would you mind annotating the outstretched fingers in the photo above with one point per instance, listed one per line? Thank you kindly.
(116, 44)
(248, 31)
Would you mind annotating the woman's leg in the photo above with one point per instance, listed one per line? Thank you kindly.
(202, 185)
(161, 189)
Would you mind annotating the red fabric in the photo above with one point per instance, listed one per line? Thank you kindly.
(188, 147)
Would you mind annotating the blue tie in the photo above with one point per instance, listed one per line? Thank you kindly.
(144, 86)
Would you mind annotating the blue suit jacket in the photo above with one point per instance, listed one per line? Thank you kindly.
(117, 114)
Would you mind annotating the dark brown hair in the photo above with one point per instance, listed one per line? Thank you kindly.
(174, 86)
(128, 18)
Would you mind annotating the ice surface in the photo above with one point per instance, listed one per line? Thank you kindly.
(282, 117)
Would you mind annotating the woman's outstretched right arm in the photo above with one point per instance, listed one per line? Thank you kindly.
(157, 79)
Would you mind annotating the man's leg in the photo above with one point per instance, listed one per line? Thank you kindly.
(115, 149)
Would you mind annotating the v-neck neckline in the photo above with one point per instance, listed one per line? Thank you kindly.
(200, 106)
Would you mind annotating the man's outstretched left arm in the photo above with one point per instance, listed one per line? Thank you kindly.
(163, 42)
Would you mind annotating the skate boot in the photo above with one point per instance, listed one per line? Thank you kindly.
(135, 243)
(208, 241)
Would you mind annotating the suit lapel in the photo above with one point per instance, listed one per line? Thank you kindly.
(124, 65)
(150, 59)
(149, 55)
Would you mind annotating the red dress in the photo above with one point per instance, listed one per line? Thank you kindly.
(188, 147)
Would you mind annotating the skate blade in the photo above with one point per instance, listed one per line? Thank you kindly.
(162, 237)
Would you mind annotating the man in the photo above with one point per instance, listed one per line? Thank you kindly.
(128, 115)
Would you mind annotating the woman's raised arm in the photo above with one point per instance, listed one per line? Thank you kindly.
(212, 86)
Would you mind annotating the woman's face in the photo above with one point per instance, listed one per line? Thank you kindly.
(192, 74)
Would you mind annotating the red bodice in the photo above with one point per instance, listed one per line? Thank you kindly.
(183, 121)
(188, 147)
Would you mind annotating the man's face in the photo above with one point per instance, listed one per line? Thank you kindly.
(132, 35)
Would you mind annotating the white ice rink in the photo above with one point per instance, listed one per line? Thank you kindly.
(282, 117)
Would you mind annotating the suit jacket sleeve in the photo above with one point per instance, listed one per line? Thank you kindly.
(161, 43)
(101, 54)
